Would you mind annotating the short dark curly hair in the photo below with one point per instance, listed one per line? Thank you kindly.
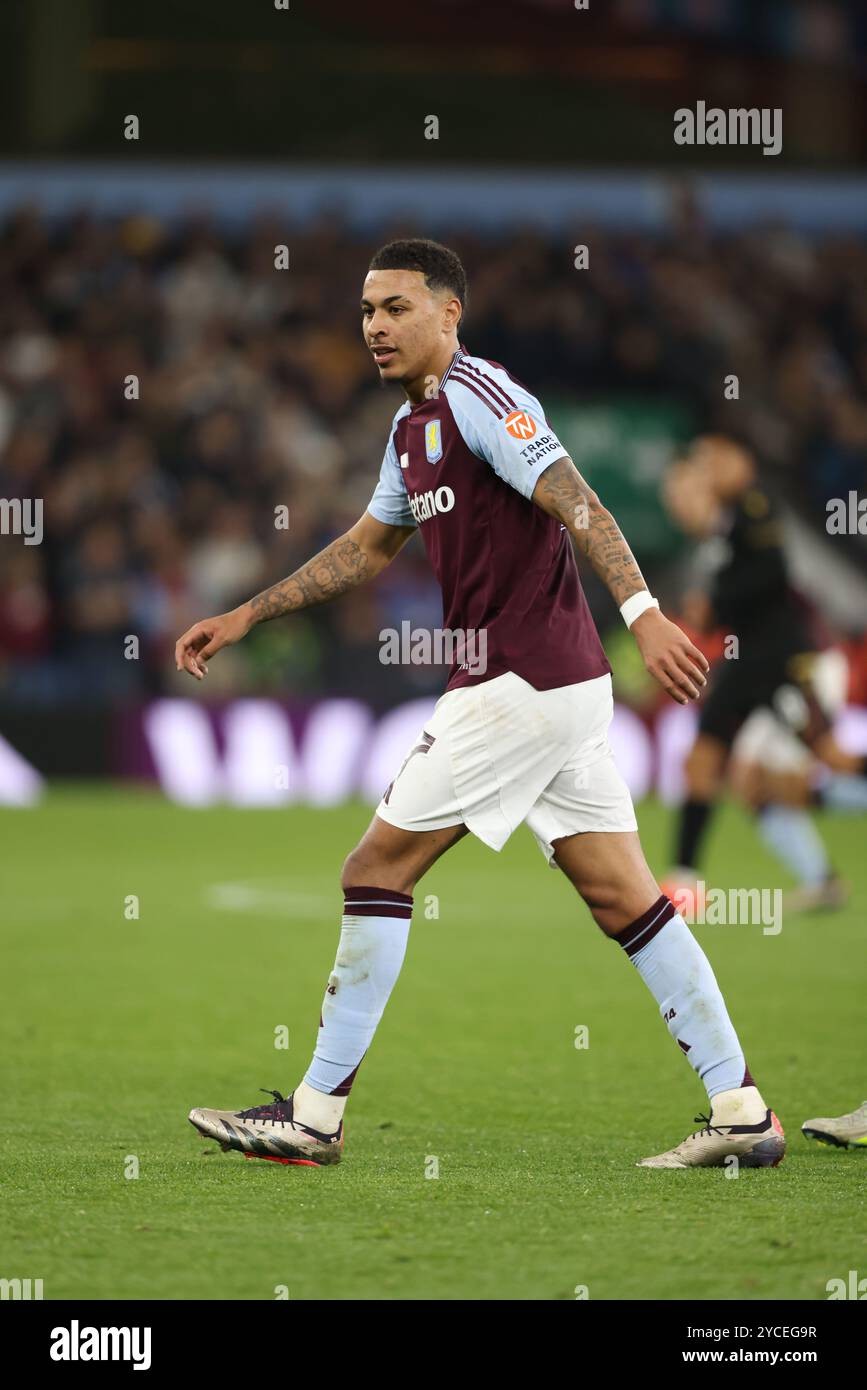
(442, 268)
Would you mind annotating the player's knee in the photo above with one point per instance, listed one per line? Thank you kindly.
(364, 868)
(359, 870)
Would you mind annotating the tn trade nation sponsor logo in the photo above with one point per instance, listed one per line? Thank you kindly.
(423, 505)
(540, 447)
(520, 425)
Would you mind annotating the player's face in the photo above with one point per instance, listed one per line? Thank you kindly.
(689, 497)
(405, 324)
(728, 466)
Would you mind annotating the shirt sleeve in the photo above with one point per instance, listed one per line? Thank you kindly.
(519, 444)
(390, 503)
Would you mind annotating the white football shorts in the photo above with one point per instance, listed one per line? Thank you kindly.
(496, 754)
(766, 740)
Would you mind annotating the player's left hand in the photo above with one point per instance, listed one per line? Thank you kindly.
(670, 657)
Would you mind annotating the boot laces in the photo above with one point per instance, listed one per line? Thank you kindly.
(708, 1127)
(279, 1112)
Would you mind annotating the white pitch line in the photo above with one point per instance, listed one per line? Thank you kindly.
(260, 895)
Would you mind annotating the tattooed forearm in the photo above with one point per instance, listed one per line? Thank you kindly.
(605, 546)
(340, 566)
(563, 493)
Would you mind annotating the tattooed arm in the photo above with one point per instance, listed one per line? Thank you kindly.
(668, 654)
(350, 560)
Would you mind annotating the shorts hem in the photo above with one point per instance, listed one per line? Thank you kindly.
(547, 846)
(441, 822)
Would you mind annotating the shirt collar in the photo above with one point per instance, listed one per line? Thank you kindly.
(460, 352)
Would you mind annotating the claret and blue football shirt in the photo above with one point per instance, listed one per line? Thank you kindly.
(462, 467)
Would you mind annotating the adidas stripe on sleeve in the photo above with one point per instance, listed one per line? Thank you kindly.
(502, 423)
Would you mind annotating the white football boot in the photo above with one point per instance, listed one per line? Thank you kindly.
(845, 1132)
(827, 896)
(731, 1130)
(270, 1131)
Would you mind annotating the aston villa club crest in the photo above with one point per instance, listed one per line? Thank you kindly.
(433, 441)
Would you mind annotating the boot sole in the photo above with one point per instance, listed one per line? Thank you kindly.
(831, 1141)
(255, 1148)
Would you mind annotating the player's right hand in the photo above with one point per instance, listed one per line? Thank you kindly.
(670, 657)
(202, 640)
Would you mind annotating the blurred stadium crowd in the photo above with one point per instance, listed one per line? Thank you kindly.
(256, 392)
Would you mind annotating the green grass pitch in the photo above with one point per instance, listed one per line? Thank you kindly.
(114, 1028)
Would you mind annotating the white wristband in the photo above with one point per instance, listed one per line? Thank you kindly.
(637, 604)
